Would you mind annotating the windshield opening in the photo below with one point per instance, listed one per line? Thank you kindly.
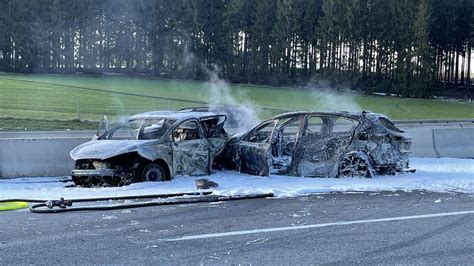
(139, 129)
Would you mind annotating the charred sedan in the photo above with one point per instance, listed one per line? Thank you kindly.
(320, 144)
(152, 146)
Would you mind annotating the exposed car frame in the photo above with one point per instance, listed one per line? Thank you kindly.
(320, 144)
(164, 144)
(237, 116)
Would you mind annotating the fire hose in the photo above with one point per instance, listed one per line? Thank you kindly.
(62, 205)
(13, 205)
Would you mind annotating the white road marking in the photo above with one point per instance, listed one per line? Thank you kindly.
(310, 226)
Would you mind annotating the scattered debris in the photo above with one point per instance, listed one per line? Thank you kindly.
(205, 183)
(109, 217)
(257, 241)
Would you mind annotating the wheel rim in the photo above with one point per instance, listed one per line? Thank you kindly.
(153, 172)
(353, 166)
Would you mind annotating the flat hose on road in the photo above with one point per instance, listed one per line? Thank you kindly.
(13, 205)
(119, 198)
(48, 206)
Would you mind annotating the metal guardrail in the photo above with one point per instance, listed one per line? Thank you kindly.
(433, 121)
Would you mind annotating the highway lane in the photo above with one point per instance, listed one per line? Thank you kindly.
(336, 228)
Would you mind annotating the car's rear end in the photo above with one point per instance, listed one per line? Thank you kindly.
(388, 146)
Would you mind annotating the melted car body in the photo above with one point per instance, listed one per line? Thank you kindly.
(152, 146)
(320, 144)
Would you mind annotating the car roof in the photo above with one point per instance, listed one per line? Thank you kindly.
(175, 115)
(353, 115)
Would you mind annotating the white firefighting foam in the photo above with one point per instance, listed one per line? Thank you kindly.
(438, 175)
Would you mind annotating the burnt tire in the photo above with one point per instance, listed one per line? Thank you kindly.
(151, 172)
(355, 165)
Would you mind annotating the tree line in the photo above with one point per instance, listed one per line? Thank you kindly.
(403, 47)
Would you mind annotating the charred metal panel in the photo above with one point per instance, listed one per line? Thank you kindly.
(156, 151)
(317, 155)
(191, 157)
(254, 158)
(216, 146)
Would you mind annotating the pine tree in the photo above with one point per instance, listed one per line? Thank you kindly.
(423, 51)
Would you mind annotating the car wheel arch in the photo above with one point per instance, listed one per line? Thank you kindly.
(357, 154)
(143, 162)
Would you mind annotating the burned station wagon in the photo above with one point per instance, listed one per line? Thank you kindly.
(320, 144)
(151, 146)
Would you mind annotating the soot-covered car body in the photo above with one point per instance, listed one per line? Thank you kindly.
(151, 146)
(320, 144)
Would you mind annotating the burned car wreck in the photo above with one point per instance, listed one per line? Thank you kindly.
(151, 146)
(320, 144)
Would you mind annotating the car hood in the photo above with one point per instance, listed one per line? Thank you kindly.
(104, 149)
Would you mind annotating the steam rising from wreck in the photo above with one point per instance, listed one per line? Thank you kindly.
(333, 99)
(245, 114)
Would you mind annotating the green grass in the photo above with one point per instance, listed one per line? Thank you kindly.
(59, 101)
(22, 124)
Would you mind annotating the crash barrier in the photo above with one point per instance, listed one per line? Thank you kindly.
(442, 142)
(431, 122)
(41, 155)
(454, 142)
(37, 157)
(86, 134)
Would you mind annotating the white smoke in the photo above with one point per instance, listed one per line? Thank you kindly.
(245, 114)
(118, 105)
(189, 59)
(330, 98)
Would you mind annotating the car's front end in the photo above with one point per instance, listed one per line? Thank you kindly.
(114, 156)
(107, 161)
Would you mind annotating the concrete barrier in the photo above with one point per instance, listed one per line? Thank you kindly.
(457, 143)
(87, 134)
(37, 157)
(41, 155)
(422, 142)
(442, 142)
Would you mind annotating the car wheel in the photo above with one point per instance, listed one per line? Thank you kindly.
(153, 172)
(354, 165)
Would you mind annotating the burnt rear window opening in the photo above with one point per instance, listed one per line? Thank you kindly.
(388, 124)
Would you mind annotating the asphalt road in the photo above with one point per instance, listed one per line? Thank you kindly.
(340, 228)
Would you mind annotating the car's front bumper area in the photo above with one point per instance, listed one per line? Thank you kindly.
(94, 172)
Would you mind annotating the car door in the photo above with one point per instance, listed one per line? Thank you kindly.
(324, 140)
(284, 138)
(190, 149)
(254, 150)
(215, 133)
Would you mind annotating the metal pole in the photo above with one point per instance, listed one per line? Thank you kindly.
(78, 101)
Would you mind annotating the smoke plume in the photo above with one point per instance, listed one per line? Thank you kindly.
(330, 98)
(245, 114)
